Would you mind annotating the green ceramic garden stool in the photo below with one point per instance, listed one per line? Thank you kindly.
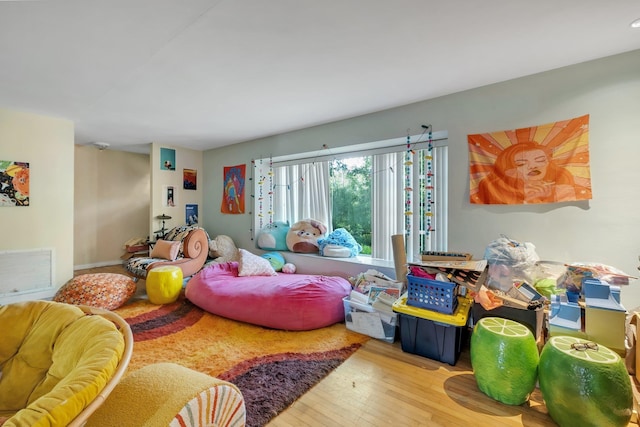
(504, 358)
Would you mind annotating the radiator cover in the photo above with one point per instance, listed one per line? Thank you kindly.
(26, 271)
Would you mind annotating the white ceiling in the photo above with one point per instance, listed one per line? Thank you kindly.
(208, 73)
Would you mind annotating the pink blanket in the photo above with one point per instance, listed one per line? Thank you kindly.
(295, 302)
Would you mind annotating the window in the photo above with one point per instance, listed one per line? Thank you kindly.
(373, 191)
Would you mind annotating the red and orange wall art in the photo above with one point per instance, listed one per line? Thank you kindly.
(233, 190)
(540, 164)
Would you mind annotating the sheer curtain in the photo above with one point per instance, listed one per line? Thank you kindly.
(302, 191)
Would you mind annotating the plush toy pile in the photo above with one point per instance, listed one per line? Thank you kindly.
(306, 236)
(339, 244)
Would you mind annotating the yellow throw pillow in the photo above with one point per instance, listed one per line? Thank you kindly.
(165, 249)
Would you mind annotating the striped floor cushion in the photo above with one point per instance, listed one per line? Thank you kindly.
(164, 394)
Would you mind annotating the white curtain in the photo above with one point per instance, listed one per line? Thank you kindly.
(387, 188)
(302, 191)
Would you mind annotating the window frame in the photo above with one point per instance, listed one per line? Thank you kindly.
(437, 240)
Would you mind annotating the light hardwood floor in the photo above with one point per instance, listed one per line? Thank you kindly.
(380, 386)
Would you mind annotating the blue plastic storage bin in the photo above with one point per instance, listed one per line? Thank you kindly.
(432, 294)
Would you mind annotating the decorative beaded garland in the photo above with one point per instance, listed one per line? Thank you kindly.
(262, 181)
(270, 193)
(260, 195)
(425, 193)
(408, 190)
(429, 186)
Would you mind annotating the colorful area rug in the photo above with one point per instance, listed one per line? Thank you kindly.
(272, 368)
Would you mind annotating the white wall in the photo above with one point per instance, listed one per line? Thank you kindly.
(604, 229)
(160, 179)
(111, 204)
(46, 143)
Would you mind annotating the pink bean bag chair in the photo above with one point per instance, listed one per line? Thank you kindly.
(294, 302)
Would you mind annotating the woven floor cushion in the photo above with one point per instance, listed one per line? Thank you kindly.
(102, 290)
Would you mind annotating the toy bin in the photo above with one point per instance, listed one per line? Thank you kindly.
(431, 334)
(365, 319)
(432, 294)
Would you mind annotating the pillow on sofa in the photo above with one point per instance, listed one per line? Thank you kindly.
(165, 249)
(254, 265)
(103, 290)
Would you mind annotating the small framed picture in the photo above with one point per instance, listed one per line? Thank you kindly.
(169, 196)
(167, 159)
(191, 213)
(189, 179)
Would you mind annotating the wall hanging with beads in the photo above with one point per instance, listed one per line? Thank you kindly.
(264, 176)
(418, 171)
(271, 234)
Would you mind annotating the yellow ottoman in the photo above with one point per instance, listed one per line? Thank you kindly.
(164, 284)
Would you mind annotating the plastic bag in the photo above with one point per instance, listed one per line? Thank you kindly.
(509, 262)
(571, 280)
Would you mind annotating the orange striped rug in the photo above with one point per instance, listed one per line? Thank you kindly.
(271, 367)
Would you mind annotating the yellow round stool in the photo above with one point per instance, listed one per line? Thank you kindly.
(164, 284)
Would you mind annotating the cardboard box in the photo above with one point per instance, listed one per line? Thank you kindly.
(605, 317)
(606, 327)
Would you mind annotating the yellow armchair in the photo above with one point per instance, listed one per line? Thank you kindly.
(58, 362)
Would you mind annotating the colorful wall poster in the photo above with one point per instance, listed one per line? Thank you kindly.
(189, 179)
(14, 183)
(167, 159)
(233, 190)
(191, 214)
(169, 196)
(540, 164)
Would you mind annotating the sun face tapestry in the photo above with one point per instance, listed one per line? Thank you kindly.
(233, 191)
(14, 183)
(539, 164)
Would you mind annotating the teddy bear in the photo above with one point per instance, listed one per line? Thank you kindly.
(303, 236)
(339, 244)
(273, 236)
(223, 249)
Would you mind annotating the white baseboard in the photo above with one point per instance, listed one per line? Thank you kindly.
(46, 294)
(97, 264)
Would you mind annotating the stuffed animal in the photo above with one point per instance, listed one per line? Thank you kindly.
(275, 259)
(273, 236)
(223, 249)
(339, 244)
(289, 268)
(303, 236)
